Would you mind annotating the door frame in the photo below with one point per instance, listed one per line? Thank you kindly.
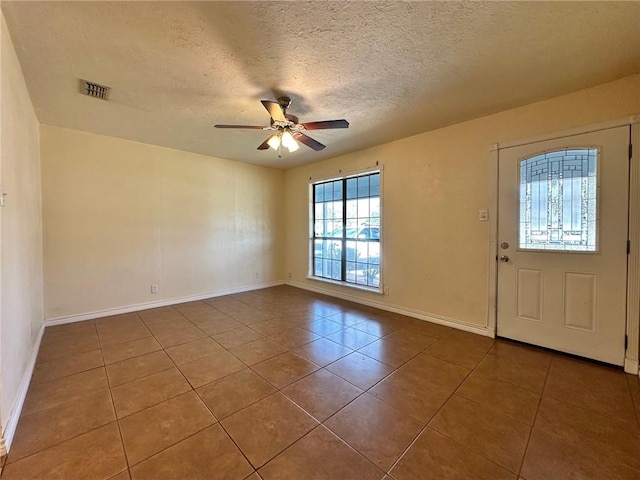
(633, 258)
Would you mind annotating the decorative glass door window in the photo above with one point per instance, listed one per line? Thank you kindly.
(558, 201)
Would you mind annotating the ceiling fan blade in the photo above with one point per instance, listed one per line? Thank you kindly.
(264, 145)
(308, 141)
(254, 127)
(275, 110)
(326, 125)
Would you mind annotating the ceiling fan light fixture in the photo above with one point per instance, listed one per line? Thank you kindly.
(274, 141)
(289, 142)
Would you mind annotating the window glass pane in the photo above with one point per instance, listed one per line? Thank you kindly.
(337, 190)
(352, 187)
(319, 193)
(363, 186)
(558, 201)
(374, 185)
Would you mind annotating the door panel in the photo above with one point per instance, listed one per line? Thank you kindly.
(562, 231)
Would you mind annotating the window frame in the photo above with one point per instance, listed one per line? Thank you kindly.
(344, 239)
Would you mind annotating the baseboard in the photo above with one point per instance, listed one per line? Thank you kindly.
(161, 303)
(429, 317)
(631, 366)
(12, 423)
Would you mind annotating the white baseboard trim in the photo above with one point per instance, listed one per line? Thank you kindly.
(9, 430)
(631, 366)
(79, 317)
(429, 317)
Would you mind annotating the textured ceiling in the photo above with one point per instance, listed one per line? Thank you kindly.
(392, 69)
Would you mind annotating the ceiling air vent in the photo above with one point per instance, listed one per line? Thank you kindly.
(94, 90)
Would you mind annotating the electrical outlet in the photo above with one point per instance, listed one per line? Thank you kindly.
(483, 215)
(257, 274)
(289, 275)
(154, 288)
(386, 290)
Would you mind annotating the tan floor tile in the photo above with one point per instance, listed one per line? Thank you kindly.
(124, 475)
(497, 437)
(352, 338)
(419, 398)
(512, 371)
(378, 327)
(462, 353)
(284, 369)
(521, 353)
(159, 315)
(169, 324)
(148, 391)
(595, 387)
(122, 331)
(138, 367)
(273, 326)
(613, 438)
(550, 458)
(188, 352)
(215, 326)
(411, 338)
(46, 428)
(236, 337)
(68, 347)
(192, 459)
(179, 336)
(307, 459)
(235, 392)
(435, 457)
(123, 351)
(257, 351)
(267, 427)
(504, 397)
(430, 329)
(323, 327)
(360, 370)
(194, 308)
(60, 332)
(379, 432)
(147, 432)
(69, 337)
(390, 353)
(97, 454)
(120, 320)
(322, 393)
(45, 371)
(71, 388)
(347, 319)
(322, 351)
(210, 368)
(293, 337)
(205, 316)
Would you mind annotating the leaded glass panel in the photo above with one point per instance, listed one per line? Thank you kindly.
(558, 201)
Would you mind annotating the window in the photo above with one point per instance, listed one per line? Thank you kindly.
(346, 230)
(558, 201)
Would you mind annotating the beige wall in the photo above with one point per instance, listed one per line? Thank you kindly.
(120, 216)
(435, 250)
(21, 231)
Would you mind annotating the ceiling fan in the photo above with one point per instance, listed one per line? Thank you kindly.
(287, 131)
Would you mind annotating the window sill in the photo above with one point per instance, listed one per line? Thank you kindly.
(355, 286)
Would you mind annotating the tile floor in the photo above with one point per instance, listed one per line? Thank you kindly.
(285, 384)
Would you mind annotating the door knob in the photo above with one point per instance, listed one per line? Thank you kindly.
(504, 258)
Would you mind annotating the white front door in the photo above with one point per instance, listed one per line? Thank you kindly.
(562, 243)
